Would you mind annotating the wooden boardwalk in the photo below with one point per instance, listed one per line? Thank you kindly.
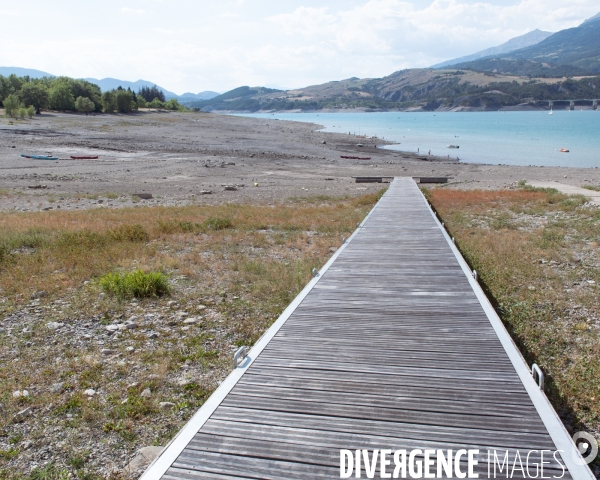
(393, 346)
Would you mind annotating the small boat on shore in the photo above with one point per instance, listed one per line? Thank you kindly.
(39, 157)
(84, 157)
(355, 158)
(452, 146)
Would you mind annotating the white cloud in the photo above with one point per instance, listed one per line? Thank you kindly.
(293, 43)
(135, 11)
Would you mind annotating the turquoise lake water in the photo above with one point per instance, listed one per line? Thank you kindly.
(510, 138)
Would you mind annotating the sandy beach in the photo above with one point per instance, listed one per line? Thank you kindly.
(179, 158)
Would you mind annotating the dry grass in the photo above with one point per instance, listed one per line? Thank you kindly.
(537, 255)
(232, 268)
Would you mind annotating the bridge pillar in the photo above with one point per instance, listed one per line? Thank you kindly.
(571, 105)
(550, 105)
(595, 105)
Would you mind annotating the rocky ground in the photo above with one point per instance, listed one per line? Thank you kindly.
(183, 158)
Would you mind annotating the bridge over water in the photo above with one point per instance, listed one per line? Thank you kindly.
(570, 104)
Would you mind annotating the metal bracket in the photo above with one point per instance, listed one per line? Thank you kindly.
(239, 356)
(540, 375)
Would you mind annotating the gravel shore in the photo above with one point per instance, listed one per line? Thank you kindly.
(186, 158)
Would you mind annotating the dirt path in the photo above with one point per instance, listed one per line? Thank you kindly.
(569, 190)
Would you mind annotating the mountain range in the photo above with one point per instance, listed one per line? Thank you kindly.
(112, 83)
(531, 38)
(570, 52)
(533, 67)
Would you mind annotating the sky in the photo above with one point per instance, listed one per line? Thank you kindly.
(192, 46)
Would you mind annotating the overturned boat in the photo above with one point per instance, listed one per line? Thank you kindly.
(39, 157)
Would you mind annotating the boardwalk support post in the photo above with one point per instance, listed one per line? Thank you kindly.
(453, 242)
(475, 275)
(315, 273)
(239, 356)
(540, 375)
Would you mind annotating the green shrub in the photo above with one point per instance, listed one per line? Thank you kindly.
(217, 223)
(84, 104)
(16, 241)
(135, 284)
(82, 239)
(175, 226)
(12, 105)
(129, 233)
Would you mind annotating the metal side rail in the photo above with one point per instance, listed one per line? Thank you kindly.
(559, 434)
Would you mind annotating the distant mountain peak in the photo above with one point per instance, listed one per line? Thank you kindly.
(595, 18)
(531, 38)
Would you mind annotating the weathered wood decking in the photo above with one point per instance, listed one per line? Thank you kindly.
(394, 346)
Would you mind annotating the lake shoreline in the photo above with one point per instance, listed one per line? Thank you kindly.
(199, 158)
(519, 138)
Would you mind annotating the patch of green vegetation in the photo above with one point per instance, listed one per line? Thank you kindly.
(15, 438)
(176, 226)
(218, 223)
(74, 241)
(49, 472)
(595, 188)
(10, 242)
(9, 454)
(136, 284)
(125, 430)
(72, 405)
(502, 221)
(91, 375)
(78, 460)
(129, 233)
(136, 407)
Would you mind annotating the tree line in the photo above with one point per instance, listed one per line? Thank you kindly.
(22, 96)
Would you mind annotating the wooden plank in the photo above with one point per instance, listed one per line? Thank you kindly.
(390, 349)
